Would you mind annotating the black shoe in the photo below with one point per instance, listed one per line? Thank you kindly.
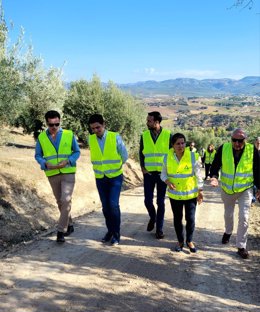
(115, 239)
(69, 230)
(150, 225)
(159, 235)
(179, 247)
(60, 237)
(107, 238)
(243, 253)
(226, 238)
(191, 246)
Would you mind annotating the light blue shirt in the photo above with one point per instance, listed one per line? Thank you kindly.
(120, 146)
(56, 143)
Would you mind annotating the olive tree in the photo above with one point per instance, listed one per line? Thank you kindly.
(122, 112)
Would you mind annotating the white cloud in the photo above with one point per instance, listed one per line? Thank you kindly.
(151, 72)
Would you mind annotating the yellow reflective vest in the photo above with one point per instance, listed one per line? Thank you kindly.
(54, 157)
(182, 175)
(154, 152)
(239, 179)
(209, 157)
(109, 163)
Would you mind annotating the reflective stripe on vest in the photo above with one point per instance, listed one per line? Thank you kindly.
(182, 175)
(108, 163)
(154, 152)
(209, 157)
(239, 179)
(52, 156)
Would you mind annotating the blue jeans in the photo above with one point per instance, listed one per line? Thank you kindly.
(109, 192)
(150, 181)
(190, 209)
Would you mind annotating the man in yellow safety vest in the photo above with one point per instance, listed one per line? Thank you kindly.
(108, 154)
(57, 151)
(239, 165)
(154, 145)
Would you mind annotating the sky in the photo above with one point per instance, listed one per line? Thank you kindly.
(127, 41)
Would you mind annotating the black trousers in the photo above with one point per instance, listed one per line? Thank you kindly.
(190, 209)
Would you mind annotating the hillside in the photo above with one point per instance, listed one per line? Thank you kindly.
(195, 87)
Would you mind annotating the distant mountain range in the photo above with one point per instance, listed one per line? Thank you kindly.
(193, 87)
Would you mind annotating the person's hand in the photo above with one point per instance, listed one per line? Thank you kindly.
(214, 182)
(170, 185)
(50, 166)
(200, 197)
(145, 171)
(62, 164)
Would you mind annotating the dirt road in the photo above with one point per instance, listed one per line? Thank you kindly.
(141, 274)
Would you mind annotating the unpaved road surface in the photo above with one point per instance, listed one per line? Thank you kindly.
(141, 274)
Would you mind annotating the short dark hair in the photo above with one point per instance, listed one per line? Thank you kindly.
(177, 136)
(52, 114)
(96, 118)
(156, 116)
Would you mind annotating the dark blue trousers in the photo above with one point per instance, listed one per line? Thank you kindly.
(150, 181)
(109, 192)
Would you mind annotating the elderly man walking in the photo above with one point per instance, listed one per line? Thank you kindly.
(239, 165)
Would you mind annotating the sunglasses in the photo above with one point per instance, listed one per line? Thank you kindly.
(53, 124)
(238, 140)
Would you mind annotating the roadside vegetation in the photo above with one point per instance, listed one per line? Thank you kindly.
(28, 90)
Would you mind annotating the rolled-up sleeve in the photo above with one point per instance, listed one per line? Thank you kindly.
(198, 176)
(121, 149)
(164, 175)
(75, 152)
(39, 156)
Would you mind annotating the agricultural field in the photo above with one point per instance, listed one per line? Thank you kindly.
(205, 112)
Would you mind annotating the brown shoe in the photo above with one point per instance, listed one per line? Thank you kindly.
(243, 253)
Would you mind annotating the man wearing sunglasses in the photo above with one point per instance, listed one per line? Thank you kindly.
(57, 152)
(239, 165)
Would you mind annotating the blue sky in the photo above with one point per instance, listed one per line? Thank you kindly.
(136, 40)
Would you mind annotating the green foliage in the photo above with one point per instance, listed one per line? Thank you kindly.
(253, 131)
(121, 111)
(42, 90)
(10, 78)
(84, 99)
(27, 89)
(204, 137)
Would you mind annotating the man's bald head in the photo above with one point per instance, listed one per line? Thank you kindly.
(238, 139)
(239, 133)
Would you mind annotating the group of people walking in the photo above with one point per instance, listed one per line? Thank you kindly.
(167, 165)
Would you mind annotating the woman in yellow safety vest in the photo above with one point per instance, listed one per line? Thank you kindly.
(181, 173)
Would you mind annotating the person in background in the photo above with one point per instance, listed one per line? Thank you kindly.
(108, 154)
(239, 165)
(57, 151)
(154, 145)
(202, 156)
(209, 157)
(181, 174)
(192, 147)
(257, 145)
